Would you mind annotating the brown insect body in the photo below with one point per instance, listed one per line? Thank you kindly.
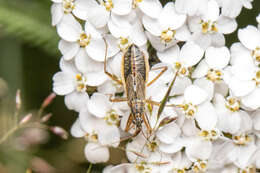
(134, 73)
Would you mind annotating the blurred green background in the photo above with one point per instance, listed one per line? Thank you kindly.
(28, 59)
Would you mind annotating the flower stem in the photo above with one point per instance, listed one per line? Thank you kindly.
(89, 168)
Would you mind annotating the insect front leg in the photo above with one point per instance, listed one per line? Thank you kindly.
(112, 76)
(164, 68)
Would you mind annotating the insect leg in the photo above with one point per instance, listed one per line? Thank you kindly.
(146, 122)
(164, 68)
(112, 76)
(158, 103)
(129, 123)
(124, 99)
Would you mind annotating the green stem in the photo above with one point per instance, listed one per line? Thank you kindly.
(89, 168)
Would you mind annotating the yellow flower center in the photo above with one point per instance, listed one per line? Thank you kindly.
(91, 137)
(214, 75)
(112, 118)
(135, 3)
(108, 5)
(189, 110)
(208, 27)
(200, 166)
(167, 35)
(81, 85)
(84, 39)
(68, 6)
(232, 103)
(123, 43)
(209, 134)
(183, 71)
(248, 169)
(257, 78)
(256, 55)
(152, 146)
(143, 168)
(243, 139)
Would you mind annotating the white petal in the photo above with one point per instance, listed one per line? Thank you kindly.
(240, 54)
(183, 33)
(67, 66)
(189, 128)
(107, 88)
(206, 116)
(95, 11)
(228, 122)
(170, 55)
(152, 25)
(198, 149)
(81, 9)
(191, 54)
(180, 85)
(191, 7)
(217, 58)
(137, 34)
(151, 8)
(241, 88)
(244, 71)
(56, 13)
(195, 95)
(168, 133)
(76, 100)
(200, 70)
(96, 78)
(226, 25)
(122, 7)
(256, 119)
(252, 100)
(69, 28)
(231, 8)
(170, 148)
(96, 153)
(249, 37)
(63, 83)
(85, 64)
(118, 31)
(203, 40)
(212, 13)
(96, 49)
(89, 122)
(109, 135)
(217, 39)
(99, 105)
(113, 48)
(206, 85)
(177, 20)
(68, 49)
(91, 30)
(76, 130)
(122, 21)
(246, 122)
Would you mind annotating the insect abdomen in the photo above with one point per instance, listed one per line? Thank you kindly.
(134, 61)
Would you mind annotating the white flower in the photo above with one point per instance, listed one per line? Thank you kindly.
(94, 151)
(163, 32)
(191, 7)
(61, 8)
(74, 38)
(208, 29)
(101, 11)
(232, 8)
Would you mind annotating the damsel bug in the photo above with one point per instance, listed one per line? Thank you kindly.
(134, 75)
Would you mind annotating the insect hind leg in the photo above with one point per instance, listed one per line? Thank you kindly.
(112, 76)
(164, 68)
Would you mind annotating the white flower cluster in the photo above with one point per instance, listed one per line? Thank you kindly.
(216, 93)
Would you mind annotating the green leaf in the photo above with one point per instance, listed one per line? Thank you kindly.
(28, 28)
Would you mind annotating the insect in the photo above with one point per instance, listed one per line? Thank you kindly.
(134, 75)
